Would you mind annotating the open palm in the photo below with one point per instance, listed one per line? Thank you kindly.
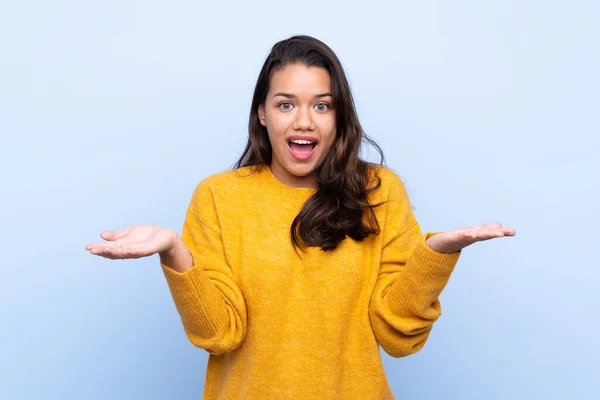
(134, 242)
(457, 239)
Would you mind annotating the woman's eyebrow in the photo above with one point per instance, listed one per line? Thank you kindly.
(291, 96)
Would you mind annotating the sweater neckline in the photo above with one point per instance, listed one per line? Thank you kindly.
(286, 190)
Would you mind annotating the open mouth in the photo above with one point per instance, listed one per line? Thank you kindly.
(302, 149)
(301, 146)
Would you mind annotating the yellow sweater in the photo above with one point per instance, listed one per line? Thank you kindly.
(280, 327)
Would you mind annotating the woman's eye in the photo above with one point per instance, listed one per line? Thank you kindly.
(285, 106)
(322, 107)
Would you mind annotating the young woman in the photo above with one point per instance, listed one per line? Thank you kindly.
(294, 267)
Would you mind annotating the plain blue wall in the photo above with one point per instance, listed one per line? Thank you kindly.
(111, 112)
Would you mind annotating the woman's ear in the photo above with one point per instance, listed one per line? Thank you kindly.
(261, 115)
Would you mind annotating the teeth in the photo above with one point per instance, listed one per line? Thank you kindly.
(301, 141)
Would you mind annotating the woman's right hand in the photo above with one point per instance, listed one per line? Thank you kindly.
(134, 242)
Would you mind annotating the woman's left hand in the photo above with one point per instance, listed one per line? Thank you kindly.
(453, 241)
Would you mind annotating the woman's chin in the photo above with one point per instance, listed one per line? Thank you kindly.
(304, 171)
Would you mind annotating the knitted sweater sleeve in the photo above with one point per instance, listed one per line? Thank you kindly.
(207, 297)
(404, 304)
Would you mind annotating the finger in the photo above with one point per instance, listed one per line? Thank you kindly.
(491, 225)
(107, 252)
(117, 251)
(477, 234)
(99, 251)
(95, 245)
(114, 235)
(104, 245)
(505, 231)
(460, 231)
(491, 234)
(105, 249)
(509, 232)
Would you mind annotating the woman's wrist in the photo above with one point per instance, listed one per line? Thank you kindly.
(177, 257)
(438, 246)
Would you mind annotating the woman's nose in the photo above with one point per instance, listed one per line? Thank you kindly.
(303, 120)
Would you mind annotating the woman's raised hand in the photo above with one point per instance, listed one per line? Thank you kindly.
(453, 241)
(134, 242)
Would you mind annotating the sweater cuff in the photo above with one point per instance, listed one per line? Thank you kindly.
(189, 289)
(190, 282)
(434, 264)
(423, 277)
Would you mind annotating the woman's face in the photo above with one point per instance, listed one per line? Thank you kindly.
(300, 120)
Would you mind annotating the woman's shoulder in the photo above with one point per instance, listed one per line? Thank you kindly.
(385, 179)
(224, 186)
(231, 180)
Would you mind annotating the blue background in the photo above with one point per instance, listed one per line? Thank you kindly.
(111, 112)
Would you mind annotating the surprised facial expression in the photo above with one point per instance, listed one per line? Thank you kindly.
(300, 120)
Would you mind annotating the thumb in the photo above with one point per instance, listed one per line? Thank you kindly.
(113, 235)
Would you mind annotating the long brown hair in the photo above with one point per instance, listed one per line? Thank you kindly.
(339, 207)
